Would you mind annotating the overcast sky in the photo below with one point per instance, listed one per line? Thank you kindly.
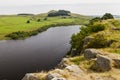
(32, 2)
(87, 7)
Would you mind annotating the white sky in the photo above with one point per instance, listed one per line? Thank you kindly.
(32, 2)
(86, 7)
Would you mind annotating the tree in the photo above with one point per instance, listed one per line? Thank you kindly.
(107, 16)
(58, 13)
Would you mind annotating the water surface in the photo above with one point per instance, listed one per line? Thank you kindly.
(41, 52)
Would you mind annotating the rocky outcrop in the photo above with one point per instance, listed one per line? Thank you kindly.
(103, 63)
(91, 53)
(67, 70)
(30, 76)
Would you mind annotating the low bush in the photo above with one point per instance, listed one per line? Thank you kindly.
(100, 41)
(18, 35)
(96, 27)
(38, 20)
(28, 21)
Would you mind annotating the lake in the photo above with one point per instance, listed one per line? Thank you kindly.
(41, 52)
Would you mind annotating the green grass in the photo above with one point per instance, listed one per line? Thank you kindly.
(14, 23)
(77, 60)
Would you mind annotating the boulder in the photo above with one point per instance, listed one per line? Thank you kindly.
(54, 76)
(91, 53)
(103, 63)
(30, 76)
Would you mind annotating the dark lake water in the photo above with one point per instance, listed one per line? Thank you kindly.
(41, 52)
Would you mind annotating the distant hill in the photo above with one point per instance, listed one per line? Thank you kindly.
(25, 14)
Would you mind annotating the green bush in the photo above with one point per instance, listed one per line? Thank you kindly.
(96, 19)
(45, 18)
(99, 41)
(96, 27)
(18, 35)
(28, 21)
(38, 20)
(77, 40)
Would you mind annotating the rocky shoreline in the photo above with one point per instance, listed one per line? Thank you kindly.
(102, 67)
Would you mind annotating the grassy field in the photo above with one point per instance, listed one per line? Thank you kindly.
(14, 23)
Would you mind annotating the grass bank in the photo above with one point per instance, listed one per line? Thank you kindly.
(11, 25)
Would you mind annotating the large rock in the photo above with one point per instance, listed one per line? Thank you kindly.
(30, 76)
(103, 63)
(91, 53)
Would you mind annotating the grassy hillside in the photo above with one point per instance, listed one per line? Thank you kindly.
(15, 23)
(100, 34)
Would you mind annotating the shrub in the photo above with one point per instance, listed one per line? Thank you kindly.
(45, 18)
(99, 41)
(96, 27)
(18, 35)
(96, 19)
(28, 21)
(77, 40)
(38, 20)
